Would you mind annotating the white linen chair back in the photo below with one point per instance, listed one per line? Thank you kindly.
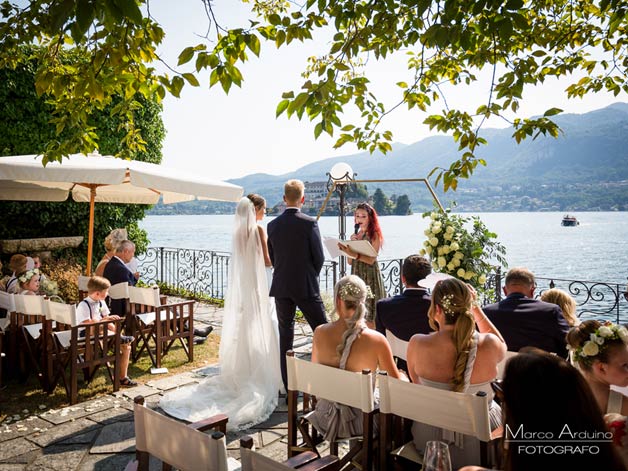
(119, 291)
(399, 347)
(177, 444)
(253, 461)
(82, 282)
(345, 387)
(7, 301)
(145, 296)
(459, 412)
(501, 366)
(29, 304)
(63, 313)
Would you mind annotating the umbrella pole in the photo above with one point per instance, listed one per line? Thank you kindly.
(90, 235)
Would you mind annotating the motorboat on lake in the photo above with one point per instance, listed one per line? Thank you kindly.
(569, 221)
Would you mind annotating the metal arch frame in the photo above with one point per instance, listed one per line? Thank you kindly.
(400, 180)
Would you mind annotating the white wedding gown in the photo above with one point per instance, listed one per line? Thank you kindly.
(249, 380)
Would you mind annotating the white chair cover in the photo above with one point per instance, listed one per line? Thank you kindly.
(253, 461)
(345, 387)
(146, 296)
(82, 282)
(177, 444)
(459, 412)
(119, 291)
(7, 302)
(399, 347)
(30, 305)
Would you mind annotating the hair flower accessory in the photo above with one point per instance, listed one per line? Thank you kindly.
(350, 291)
(598, 341)
(25, 277)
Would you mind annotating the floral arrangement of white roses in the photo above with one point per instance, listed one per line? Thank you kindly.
(49, 287)
(467, 254)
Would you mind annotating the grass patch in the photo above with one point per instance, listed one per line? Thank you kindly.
(20, 397)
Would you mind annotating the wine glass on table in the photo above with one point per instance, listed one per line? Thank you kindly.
(436, 457)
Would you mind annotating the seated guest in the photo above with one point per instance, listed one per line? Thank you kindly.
(28, 282)
(406, 314)
(566, 303)
(603, 360)
(93, 309)
(111, 242)
(525, 321)
(543, 394)
(456, 357)
(117, 272)
(348, 344)
(18, 264)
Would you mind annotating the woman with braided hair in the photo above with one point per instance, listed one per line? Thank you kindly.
(456, 357)
(346, 343)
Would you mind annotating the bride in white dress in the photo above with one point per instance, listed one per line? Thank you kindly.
(249, 380)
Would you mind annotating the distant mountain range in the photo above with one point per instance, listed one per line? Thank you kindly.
(585, 168)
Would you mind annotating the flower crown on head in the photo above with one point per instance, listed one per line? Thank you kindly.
(351, 291)
(598, 341)
(25, 278)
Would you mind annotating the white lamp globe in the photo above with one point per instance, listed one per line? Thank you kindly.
(341, 173)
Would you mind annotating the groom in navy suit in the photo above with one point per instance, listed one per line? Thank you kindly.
(296, 252)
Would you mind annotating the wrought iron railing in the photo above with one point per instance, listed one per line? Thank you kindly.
(206, 272)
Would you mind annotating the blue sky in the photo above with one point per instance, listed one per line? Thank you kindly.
(229, 136)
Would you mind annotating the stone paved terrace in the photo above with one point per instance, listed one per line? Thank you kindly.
(99, 434)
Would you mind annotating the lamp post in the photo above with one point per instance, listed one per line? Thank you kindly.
(340, 177)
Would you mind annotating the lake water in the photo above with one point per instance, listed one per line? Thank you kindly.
(596, 250)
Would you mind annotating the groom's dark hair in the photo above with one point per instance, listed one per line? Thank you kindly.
(415, 268)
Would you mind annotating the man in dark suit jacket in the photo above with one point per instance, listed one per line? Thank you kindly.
(524, 321)
(117, 272)
(296, 252)
(406, 314)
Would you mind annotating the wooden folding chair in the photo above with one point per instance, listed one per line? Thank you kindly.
(82, 287)
(336, 385)
(8, 331)
(306, 461)
(178, 445)
(33, 337)
(161, 324)
(84, 347)
(462, 413)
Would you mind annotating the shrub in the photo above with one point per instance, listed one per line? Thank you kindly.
(64, 271)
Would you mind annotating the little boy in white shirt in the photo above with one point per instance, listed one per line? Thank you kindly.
(93, 309)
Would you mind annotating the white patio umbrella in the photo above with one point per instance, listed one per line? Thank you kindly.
(94, 178)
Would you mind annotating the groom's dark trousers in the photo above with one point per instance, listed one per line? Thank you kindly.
(296, 251)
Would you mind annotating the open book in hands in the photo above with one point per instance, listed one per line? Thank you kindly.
(363, 247)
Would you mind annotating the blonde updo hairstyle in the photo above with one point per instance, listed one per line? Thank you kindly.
(352, 292)
(566, 303)
(114, 238)
(454, 298)
(580, 334)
